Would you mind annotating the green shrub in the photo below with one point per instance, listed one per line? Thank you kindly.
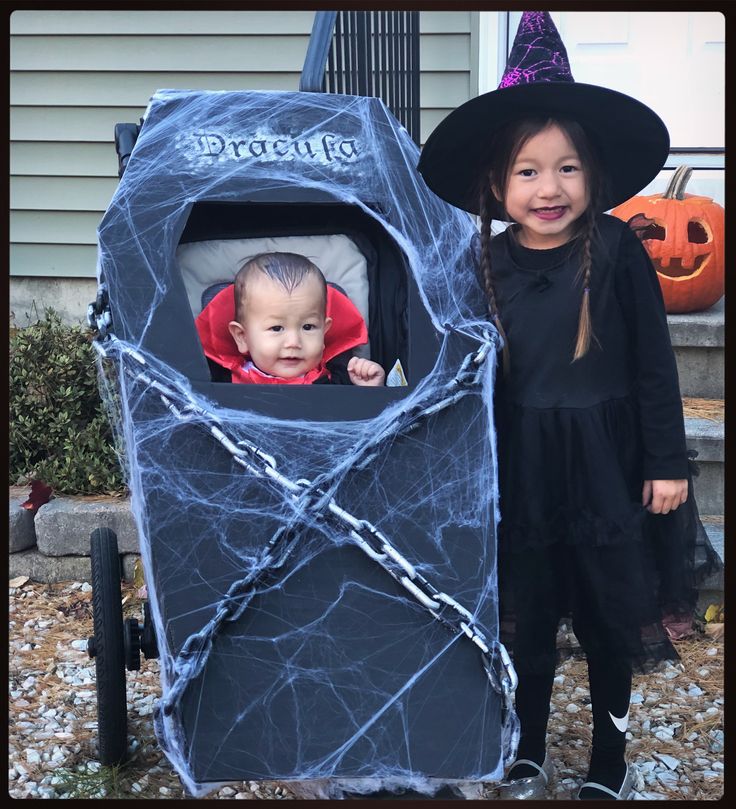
(59, 429)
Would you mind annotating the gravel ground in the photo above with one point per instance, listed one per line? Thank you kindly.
(676, 720)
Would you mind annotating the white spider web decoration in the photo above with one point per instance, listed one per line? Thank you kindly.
(320, 560)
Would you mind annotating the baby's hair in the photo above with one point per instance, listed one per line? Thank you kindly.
(504, 148)
(288, 269)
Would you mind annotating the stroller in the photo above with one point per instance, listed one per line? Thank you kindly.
(320, 561)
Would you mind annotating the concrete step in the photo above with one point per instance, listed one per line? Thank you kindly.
(699, 343)
(711, 591)
(707, 438)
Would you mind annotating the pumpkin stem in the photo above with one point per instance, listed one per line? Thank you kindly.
(676, 188)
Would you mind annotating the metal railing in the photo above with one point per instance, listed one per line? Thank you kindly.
(368, 53)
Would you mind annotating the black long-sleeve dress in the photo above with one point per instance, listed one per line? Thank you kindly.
(576, 441)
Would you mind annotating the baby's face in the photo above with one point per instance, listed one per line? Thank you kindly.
(283, 332)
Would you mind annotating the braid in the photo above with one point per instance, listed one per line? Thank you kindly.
(585, 326)
(485, 269)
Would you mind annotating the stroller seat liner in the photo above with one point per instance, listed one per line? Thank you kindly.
(203, 264)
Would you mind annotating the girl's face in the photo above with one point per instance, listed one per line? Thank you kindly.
(546, 191)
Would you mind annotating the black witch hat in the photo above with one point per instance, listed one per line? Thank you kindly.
(630, 139)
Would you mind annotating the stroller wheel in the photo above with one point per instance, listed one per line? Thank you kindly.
(106, 646)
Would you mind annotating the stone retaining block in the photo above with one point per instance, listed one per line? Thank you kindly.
(64, 524)
(49, 569)
(21, 526)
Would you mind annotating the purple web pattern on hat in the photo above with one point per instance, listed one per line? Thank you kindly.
(538, 53)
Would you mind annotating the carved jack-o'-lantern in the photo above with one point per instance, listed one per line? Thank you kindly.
(683, 234)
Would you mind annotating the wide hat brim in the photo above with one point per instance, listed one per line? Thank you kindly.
(631, 140)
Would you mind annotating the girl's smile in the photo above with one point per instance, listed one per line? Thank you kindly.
(546, 192)
(550, 213)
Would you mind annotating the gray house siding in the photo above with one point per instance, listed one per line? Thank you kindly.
(75, 74)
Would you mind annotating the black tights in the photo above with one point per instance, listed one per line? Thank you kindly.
(610, 693)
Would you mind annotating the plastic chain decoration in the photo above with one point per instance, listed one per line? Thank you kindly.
(323, 589)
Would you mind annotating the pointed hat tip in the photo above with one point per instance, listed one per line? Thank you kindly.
(538, 53)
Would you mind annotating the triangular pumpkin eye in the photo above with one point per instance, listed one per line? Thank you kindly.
(654, 232)
(696, 233)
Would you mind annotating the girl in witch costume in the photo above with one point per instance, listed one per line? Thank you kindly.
(597, 515)
(280, 323)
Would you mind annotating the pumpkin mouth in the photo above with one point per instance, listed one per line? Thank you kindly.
(674, 268)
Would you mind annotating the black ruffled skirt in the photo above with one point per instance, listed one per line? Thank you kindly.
(575, 541)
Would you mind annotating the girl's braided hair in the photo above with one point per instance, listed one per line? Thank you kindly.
(504, 147)
(485, 268)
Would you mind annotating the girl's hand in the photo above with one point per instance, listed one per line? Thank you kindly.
(663, 496)
(366, 372)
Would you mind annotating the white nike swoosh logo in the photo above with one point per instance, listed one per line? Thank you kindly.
(621, 722)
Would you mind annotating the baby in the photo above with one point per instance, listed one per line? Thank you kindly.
(281, 322)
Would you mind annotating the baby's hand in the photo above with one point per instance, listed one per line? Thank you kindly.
(663, 496)
(365, 372)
